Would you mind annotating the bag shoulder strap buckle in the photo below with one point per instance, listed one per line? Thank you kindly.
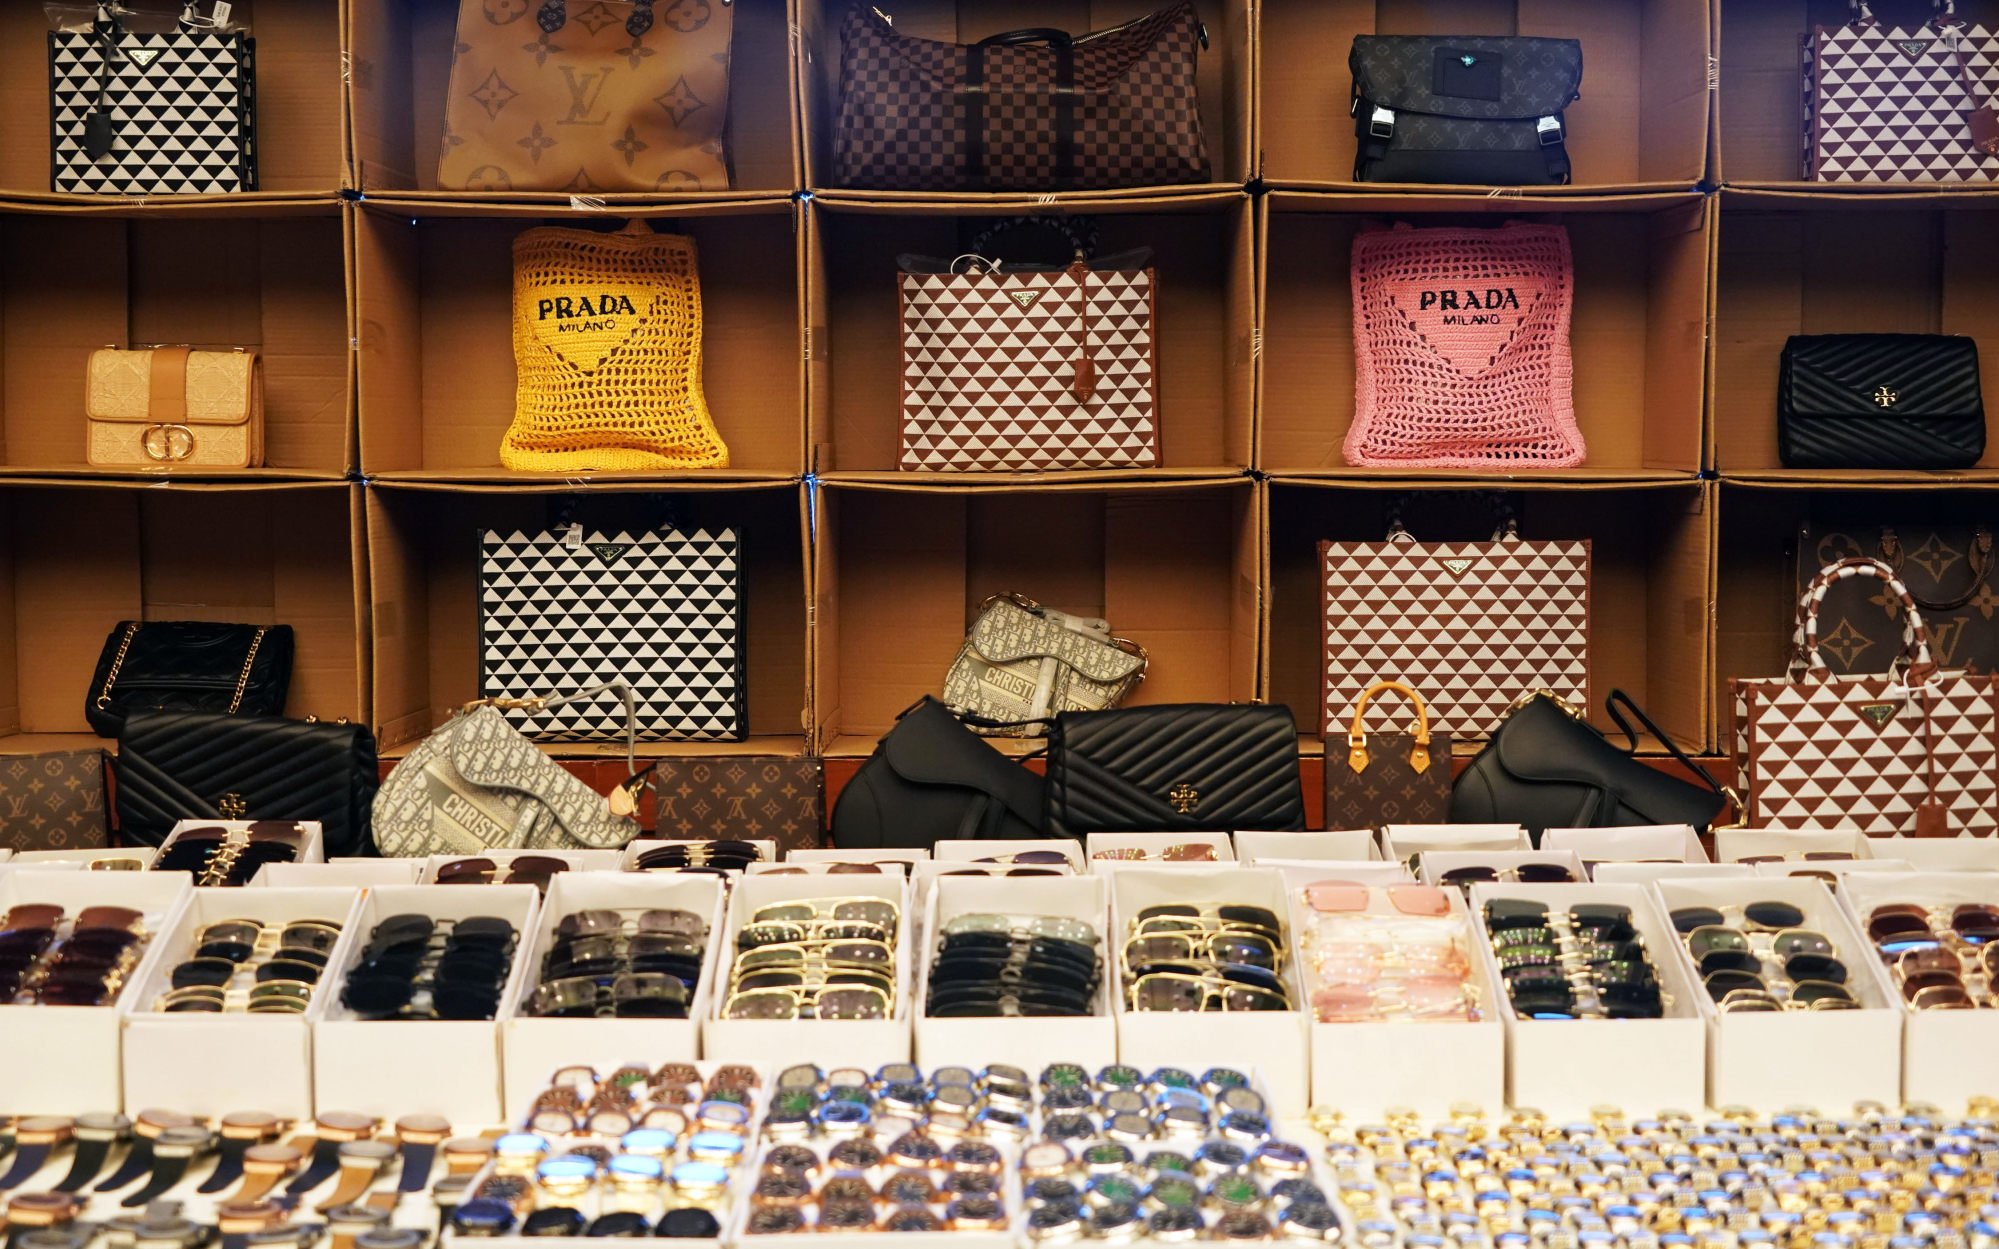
(1548, 130)
(1381, 123)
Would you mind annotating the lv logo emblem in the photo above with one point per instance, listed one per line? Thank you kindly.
(584, 91)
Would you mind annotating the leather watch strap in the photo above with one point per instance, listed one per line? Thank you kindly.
(263, 1167)
(173, 1153)
(146, 1128)
(95, 1135)
(333, 1129)
(361, 1164)
(38, 1138)
(167, 400)
(419, 1136)
(238, 1132)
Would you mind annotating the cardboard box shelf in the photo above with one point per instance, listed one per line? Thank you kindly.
(901, 573)
(1637, 328)
(1223, 79)
(1757, 584)
(434, 294)
(76, 559)
(72, 282)
(1649, 588)
(1641, 122)
(423, 558)
(1759, 107)
(1791, 264)
(402, 55)
(301, 144)
(1203, 325)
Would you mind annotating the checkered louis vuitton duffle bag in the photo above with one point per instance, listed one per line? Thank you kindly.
(166, 110)
(1027, 110)
(1917, 103)
(1912, 751)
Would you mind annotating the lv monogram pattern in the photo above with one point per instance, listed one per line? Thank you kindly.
(660, 612)
(1869, 753)
(182, 113)
(1860, 626)
(753, 798)
(476, 784)
(53, 801)
(1388, 790)
(1471, 626)
(1889, 105)
(588, 107)
(1028, 371)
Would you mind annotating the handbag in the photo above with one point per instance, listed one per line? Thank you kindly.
(628, 97)
(1188, 767)
(1027, 110)
(1879, 401)
(1393, 777)
(1547, 767)
(567, 609)
(607, 354)
(198, 765)
(133, 112)
(1022, 662)
(1901, 104)
(477, 784)
(54, 801)
(1463, 108)
(174, 406)
(770, 797)
(189, 665)
(1020, 366)
(931, 779)
(1470, 626)
(1909, 751)
(1461, 349)
(1948, 570)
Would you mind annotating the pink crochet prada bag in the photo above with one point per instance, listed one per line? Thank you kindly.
(1461, 349)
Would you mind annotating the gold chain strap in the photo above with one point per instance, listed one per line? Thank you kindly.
(248, 661)
(117, 662)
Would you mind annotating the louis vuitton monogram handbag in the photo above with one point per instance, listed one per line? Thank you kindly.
(1398, 777)
(1022, 662)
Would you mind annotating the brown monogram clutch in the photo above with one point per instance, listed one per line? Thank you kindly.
(748, 798)
(1389, 778)
(53, 801)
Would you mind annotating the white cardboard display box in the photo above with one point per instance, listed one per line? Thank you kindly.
(1271, 1045)
(82, 859)
(449, 1067)
(1566, 1066)
(1333, 844)
(1824, 1059)
(532, 1048)
(1031, 1043)
(1154, 844)
(969, 850)
(1301, 872)
(1401, 843)
(865, 1043)
(55, 1059)
(356, 873)
(1435, 863)
(628, 858)
(1732, 845)
(578, 860)
(171, 1059)
(1633, 844)
(1646, 873)
(1939, 854)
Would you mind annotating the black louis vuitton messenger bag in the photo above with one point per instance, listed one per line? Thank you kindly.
(1469, 109)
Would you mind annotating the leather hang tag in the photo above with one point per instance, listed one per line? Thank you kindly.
(97, 134)
(1932, 820)
(1985, 129)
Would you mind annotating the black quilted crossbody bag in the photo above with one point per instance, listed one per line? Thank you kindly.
(1188, 767)
(1470, 109)
(1880, 401)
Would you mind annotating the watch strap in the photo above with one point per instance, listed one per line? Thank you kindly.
(168, 1170)
(228, 1165)
(137, 1162)
(325, 1161)
(357, 1176)
(418, 1159)
(91, 1156)
(31, 1159)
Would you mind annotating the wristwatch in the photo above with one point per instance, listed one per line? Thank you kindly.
(263, 1167)
(36, 1210)
(331, 1130)
(146, 1129)
(346, 1223)
(464, 1155)
(238, 1132)
(38, 1138)
(174, 1151)
(361, 1164)
(419, 1136)
(95, 1134)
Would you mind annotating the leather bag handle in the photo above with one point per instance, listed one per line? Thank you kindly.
(554, 15)
(1078, 233)
(1419, 752)
(1806, 659)
(1863, 11)
(1029, 34)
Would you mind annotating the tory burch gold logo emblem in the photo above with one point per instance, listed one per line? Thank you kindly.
(1884, 397)
(232, 806)
(1183, 797)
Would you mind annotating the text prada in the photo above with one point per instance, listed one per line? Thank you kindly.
(564, 308)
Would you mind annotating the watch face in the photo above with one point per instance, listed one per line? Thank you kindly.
(101, 1122)
(163, 1119)
(178, 1140)
(370, 1151)
(272, 1155)
(341, 1122)
(423, 1125)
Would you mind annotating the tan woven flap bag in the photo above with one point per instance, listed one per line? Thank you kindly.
(607, 354)
(588, 96)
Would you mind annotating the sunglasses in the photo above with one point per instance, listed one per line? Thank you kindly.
(723, 853)
(1161, 918)
(1249, 948)
(652, 922)
(524, 869)
(843, 868)
(1009, 871)
(877, 911)
(1058, 927)
(416, 967)
(218, 857)
(1423, 997)
(998, 1002)
(630, 995)
(1045, 857)
(827, 1002)
(1520, 873)
(1185, 991)
(792, 932)
(1340, 897)
(858, 953)
(1179, 852)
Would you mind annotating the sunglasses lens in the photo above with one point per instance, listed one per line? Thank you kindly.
(1544, 874)
(1502, 913)
(1688, 918)
(1471, 875)
(1773, 915)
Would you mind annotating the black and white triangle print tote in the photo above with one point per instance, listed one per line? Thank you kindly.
(138, 113)
(661, 611)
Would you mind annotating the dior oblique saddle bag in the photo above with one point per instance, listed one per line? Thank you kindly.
(1023, 662)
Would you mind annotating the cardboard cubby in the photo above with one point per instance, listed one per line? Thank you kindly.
(1760, 105)
(1650, 551)
(434, 301)
(402, 52)
(1223, 79)
(74, 281)
(1637, 328)
(76, 559)
(1641, 121)
(1843, 264)
(901, 573)
(1204, 307)
(423, 559)
(301, 118)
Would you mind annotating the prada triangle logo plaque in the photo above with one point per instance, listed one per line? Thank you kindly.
(1456, 564)
(1026, 299)
(1877, 714)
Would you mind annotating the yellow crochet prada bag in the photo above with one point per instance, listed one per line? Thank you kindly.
(607, 354)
